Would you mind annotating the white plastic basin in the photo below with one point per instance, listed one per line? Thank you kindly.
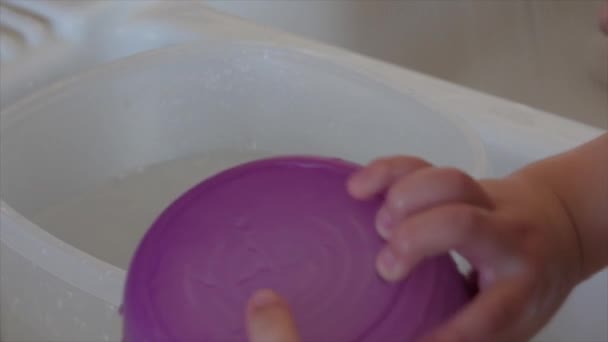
(87, 164)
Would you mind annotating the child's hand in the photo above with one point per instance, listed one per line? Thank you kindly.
(514, 232)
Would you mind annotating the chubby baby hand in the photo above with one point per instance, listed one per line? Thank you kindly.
(515, 233)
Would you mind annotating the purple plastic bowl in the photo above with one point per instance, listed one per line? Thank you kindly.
(286, 224)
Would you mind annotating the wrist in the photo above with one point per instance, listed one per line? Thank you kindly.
(529, 201)
(557, 214)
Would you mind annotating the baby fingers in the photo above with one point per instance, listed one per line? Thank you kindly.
(380, 174)
(432, 232)
(424, 189)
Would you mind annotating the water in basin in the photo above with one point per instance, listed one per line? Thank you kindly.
(109, 220)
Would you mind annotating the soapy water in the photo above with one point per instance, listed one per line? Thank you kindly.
(109, 221)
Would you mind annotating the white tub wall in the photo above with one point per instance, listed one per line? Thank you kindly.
(38, 306)
(545, 53)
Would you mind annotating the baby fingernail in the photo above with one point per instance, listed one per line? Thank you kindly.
(388, 265)
(384, 223)
(361, 181)
(263, 298)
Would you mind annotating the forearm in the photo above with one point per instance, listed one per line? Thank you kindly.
(579, 179)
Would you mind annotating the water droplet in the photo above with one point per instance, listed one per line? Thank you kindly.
(59, 303)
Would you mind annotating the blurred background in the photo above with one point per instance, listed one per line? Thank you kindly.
(548, 54)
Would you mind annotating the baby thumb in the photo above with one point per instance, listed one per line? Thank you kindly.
(269, 319)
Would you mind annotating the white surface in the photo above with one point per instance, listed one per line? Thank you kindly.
(513, 134)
